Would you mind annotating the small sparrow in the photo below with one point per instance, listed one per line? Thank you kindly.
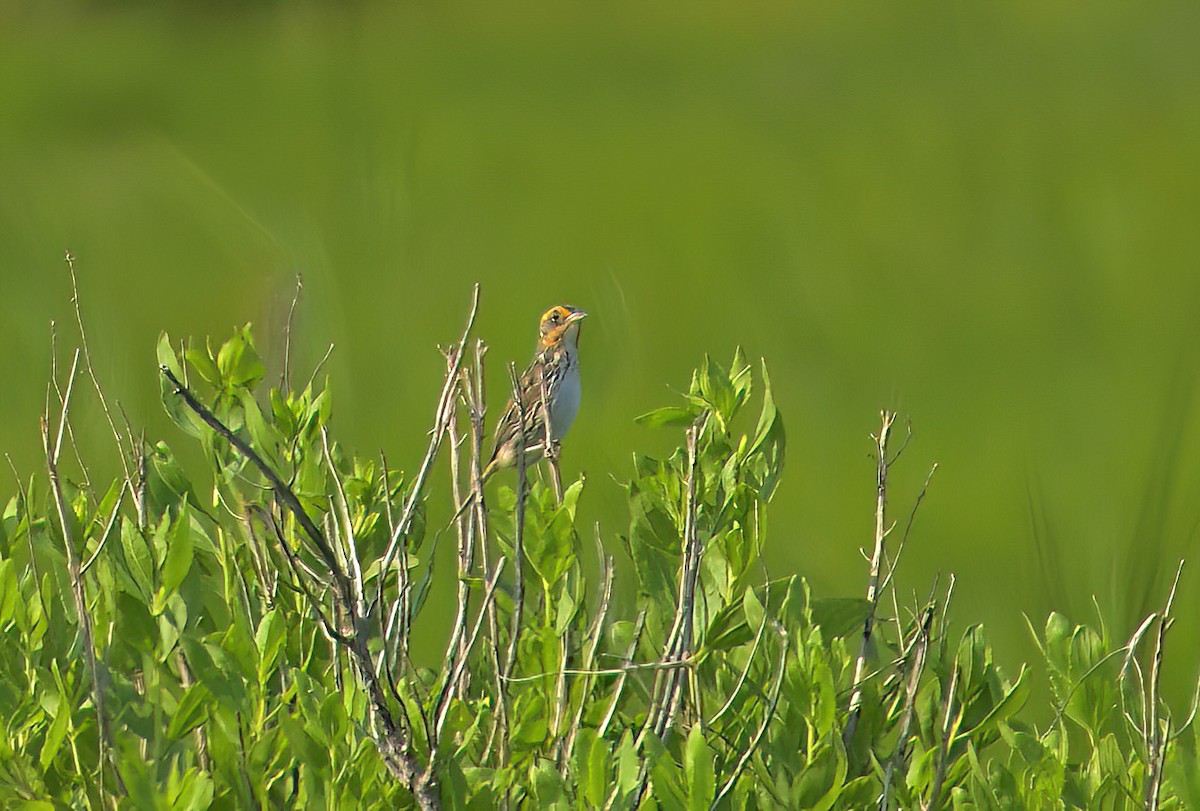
(554, 371)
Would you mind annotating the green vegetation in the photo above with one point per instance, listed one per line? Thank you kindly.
(237, 635)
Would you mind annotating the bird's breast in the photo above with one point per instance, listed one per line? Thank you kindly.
(566, 404)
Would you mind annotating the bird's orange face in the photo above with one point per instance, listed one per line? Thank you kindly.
(560, 322)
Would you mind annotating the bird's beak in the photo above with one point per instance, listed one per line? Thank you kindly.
(578, 315)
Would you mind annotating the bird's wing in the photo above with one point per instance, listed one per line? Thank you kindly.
(531, 404)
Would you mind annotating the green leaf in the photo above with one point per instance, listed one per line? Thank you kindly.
(668, 416)
(593, 767)
(548, 789)
(195, 791)
(627, 764)
(269, 639)
(840, 616)
(56, 733)
(698, 767)
(191, 712)
(205, 366)
(179, 552)
(10, 590)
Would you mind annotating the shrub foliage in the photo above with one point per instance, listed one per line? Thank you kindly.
(237, 635)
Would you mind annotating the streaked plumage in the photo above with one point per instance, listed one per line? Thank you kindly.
(556, 366)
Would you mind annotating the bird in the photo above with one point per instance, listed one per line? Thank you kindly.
(554, 370)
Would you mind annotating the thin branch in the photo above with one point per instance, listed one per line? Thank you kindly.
(287, 336)
(393, 742)
(770, 713)
(638, 626)
(949, 729)
(65, 517)
(456, 670)
(1159, 733)
(881, 530)
(595, 632)
(317, 369)
(441, 417)
(891, 569)
(112, 519)
(515, 624)
(916, 668)
(284, 493)
(87, 363)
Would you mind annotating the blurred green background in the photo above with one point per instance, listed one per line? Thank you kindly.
(981, 215)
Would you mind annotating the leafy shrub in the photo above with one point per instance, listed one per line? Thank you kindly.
(238, 636)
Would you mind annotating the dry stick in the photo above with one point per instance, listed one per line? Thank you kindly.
(881, 474)
(770, 713)
(475, 395)
(108, 526)
(87, 474)
(737, 688)
(73, 571)
(685, 607)
(287, 336)
(908, 527)
(201, 736)
(386, 663)
(317, 369)
(284, 493)
(594, 634)
(456, 670)
(37, 578)
(638, 626)
(560, 695)
(349, 547)
(949, 730)
(402, 608)
(514, 634)
(87, 364)
(661, 715)
(393, 745)
(916, 669)
(464, 526)
(1156, 742)
(441, 417)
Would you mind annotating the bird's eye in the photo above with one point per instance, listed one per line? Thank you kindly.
(554, 317)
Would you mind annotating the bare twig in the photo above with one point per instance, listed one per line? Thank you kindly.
(891, 569)
(287, 336)
(87, 363)
(65, 518)
(441, 417)
(881, 530)
(767, 716)
(916, 668)
(393, 741)
(595, 632)
(474, 393)
(1159, 729)
(112, 520)
(948, 731)
(454, 676)
(514, 634)
(33, 564)
(665, 703)
(638, 626)
(317, 369)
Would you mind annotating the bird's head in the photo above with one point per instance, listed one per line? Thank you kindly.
(560, 324)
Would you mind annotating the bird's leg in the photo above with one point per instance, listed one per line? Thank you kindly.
(553, 449)
(550, 444)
